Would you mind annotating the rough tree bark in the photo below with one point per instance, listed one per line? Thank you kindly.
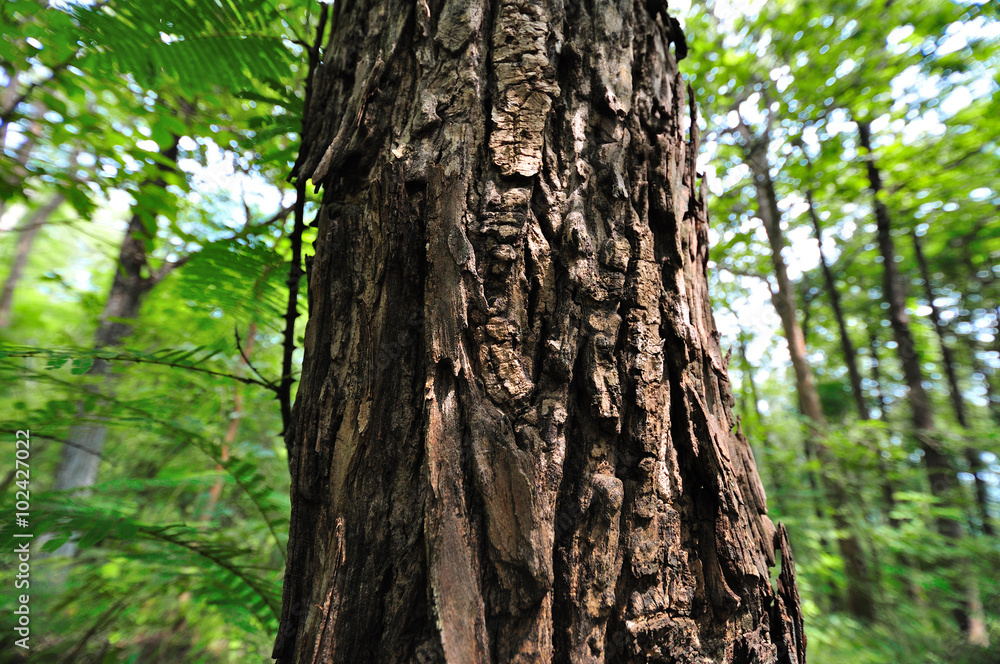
(943, 480)
(513, 438)
(860, 597)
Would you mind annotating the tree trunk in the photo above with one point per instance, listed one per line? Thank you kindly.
(15, 170)
(873, 344)
(957, 400)
(992, 393)
(888, 490)
(846, 345)
(989, 375)
(766, 470)
(748, 370)
(133, 279)
(948, 359)
(513, 439)
(80, 461)
(29, 229)
(860, 599)
(943, 480)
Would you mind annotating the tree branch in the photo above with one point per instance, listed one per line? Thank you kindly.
(246, 359)
(7, 114)
(295, 269)
(150, 360)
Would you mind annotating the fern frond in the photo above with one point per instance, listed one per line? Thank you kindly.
(246, 280)
(200, 44)
(173, 547)
(189, 359)
(244, 473)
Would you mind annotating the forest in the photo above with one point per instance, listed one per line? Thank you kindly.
(378, 330)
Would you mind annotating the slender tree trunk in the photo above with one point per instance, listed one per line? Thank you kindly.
(513, 438)
(860, 598)
(748, 370)
(948, 358)
(988, 374)
(15, 170)
(784, 298)
(846, 345)
(989, 385)
(129, 285)
(752, 386)
(888, 491)
(957, 400)
(942, 476)
(943, 480)
(873, 344)
(7, 97)
(28, 231)
(232, 429)
(132, 280)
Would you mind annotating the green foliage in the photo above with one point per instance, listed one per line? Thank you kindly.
(180, 542)
(200, 45)
(798, 76)
(244, 278)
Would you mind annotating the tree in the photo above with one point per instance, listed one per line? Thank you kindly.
(28, 231)
(972, 456)
(943, 481)
(756, 146)
(513, 438)
(156, 109)
(132, 280)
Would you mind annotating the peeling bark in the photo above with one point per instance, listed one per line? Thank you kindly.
(513, 438)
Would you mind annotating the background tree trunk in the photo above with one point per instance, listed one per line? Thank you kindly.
(133, 279)
(751, 413)
(513, 439)
(860, 598)
(972, 457)
(942, 476)
(943, 480)
(846, 345)
(28, 229)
